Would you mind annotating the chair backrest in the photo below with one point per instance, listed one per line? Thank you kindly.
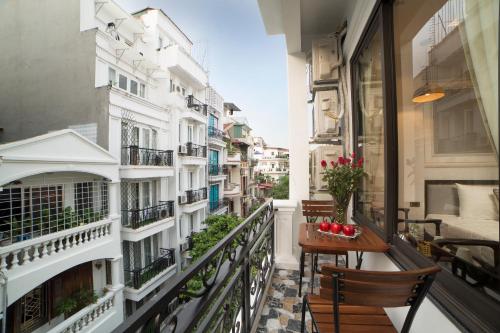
(312, 209)
(376, 288)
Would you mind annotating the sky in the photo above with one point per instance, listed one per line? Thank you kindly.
(246, 66)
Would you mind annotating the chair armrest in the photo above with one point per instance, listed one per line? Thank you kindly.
(436, 222)
(494, 245)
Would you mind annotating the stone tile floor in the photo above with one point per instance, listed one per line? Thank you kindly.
(283, 308)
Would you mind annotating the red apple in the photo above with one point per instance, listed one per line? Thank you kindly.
(336, 228)
(349, 230)
(324, 226)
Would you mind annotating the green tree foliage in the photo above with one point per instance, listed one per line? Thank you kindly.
(280, 189)
(218, 226)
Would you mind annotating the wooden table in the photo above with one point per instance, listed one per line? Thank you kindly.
(313, 241)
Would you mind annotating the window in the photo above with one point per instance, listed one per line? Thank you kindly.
(447, 117)
(142, 90)
(160, 42)
(122, 82)
(368, 115)
(183, 91)
(190, 133)
(146, 195)
(172, 86)
(133, 87)
(112, 76)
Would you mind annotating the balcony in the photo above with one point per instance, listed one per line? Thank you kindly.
(145, 163)
(136, 278)
(133, 155)
(193, 150)
(216, 172)
(196, 105)
(217, 206)
(215, 133)
(177, 60)
(138, 218)
(232, 190)
(234, 158)
(217, 306)
(193, 196)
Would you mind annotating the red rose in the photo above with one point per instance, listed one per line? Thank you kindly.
(333, 164)
(323, 164)
(353, 155)
(347, 160)
(341, 160)
(360, 162)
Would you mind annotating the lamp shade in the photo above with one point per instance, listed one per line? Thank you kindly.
(427, 94)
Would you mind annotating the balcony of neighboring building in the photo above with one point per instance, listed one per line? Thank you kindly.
(216, 172)
(193, 200)
(218, 207)
(138, 223)
(175, 59)
(233, 157)
(192, 153)
(138, 162)
(232, 190)
(194, 110)
(216, 137)
(146, 267)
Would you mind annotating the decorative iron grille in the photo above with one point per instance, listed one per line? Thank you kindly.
(133, 155)
(215, 170)
(217, 205)
(215, 133)
(30, 211)
(138, 217)
(135, 278)
(193, 196)
(234, 275)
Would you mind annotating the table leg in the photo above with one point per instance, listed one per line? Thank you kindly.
(359, 258)
(312, 273)
(302, 262)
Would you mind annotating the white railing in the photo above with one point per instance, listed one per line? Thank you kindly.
(25, 252)
(88, 315)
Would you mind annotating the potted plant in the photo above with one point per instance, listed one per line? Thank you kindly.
(342, 178)
(66, 306)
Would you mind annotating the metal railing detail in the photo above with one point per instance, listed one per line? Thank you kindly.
(139, 217)
(215, 133)
(216, 170)
(193, 196)
(234, 275)
(135, 278)
(133, 155)
(196, 105)
(192, 149)
(216, 205)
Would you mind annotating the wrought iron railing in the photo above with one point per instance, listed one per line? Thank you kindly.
(133, 155)
(215, 170)
(135, 278)
(216, 205)
(196, 105)
(193, 196)
(136, 218)
(192, 149)
(215, 133)
(234, 275)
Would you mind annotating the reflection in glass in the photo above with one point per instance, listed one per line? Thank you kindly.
(370, 130)
(448, 148)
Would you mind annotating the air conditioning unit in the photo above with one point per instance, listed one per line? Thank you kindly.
(182, 149)
(325, 60)
(164, 213)
(184, 199)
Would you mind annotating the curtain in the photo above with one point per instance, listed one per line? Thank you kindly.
(479, 35)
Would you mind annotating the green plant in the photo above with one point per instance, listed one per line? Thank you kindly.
(66, 306)
(281, 189)
(343, 178)
(85, 297)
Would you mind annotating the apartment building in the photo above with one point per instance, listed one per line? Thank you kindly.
(217, 139)
(60, 244)
(128, 83)
(272, 162)
(240, 184)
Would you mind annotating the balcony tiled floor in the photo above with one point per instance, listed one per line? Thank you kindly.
(283, 308)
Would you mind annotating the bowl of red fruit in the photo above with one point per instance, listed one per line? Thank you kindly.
(347, 231)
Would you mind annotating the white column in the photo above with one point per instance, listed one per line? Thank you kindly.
(283, 240)
(114, 199)
(298, 138)
(116, 271)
